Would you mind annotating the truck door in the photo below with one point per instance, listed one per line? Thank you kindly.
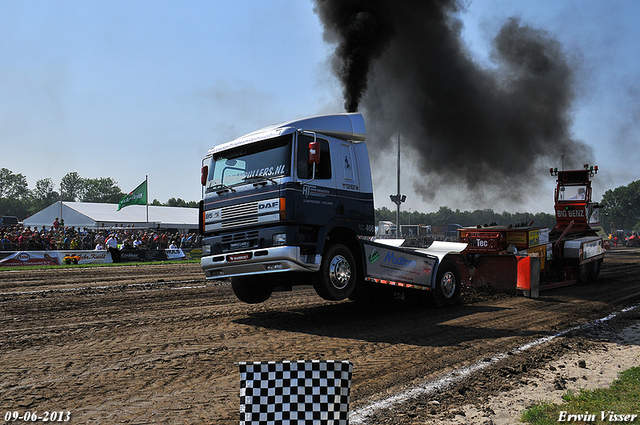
(347, 182)
(318, 203)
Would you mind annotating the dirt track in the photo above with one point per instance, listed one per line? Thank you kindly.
(145, 344)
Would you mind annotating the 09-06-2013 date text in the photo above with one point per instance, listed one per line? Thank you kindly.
(47, 416)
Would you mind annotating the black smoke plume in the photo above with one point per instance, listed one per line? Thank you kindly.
(465, 125)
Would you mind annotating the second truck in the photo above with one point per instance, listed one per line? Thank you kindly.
(292, 204)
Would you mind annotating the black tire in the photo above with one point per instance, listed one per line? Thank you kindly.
(251, 289)
(582, 272)
(448, 284)
(338, 274)
(594, 270)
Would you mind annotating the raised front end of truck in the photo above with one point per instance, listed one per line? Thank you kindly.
(276, 201)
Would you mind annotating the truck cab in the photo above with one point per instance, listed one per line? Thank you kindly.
(279, 201)
(574, 207)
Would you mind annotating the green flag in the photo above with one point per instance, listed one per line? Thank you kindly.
(137, 196)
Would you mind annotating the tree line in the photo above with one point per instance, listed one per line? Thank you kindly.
(620, 207)
(446, 215)
(18, 200)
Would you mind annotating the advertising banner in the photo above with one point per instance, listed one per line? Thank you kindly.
(175, 254)
(395, 264)
(132, 255)
(31, 258)
(54, 258)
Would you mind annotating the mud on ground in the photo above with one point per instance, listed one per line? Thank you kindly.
(159, 343)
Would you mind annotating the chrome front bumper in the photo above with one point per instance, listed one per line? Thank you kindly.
(260, 261)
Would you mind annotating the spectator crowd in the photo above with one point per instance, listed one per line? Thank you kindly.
(59, 237)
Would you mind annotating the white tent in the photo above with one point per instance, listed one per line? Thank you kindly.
(106, 216)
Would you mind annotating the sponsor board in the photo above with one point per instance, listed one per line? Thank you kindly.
(528, 238)
(175, 254)
(517, 238)
(398, 265)
(194, 254)
(52, 258)
(134, 255)
(592, 249)
(584, 248)
(32, 258)
(55, 258)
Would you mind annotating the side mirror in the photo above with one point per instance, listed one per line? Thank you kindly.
(314, 153)
(204, 172)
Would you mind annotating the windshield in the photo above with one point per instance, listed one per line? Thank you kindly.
(266, 159)
(572, 193)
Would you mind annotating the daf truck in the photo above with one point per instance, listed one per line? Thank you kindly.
(292, 204)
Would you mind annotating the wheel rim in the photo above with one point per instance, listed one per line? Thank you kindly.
(339, 272)
(448, 284)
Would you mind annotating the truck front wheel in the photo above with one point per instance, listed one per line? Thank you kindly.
(251, 289)
(338, 274)
(448, 284)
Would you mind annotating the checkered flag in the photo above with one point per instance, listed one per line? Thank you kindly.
(299, 392)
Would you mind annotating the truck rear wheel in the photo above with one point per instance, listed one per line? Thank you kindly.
(582, 272)
(448, 284)
(338, 274)
(594, 270)
(251, 289)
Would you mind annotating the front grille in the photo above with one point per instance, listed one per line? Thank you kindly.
(236, 211)
(243, 236)
(236, 223)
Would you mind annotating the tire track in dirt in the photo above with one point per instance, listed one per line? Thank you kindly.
(42, 279)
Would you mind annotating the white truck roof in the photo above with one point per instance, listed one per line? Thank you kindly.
(345, 126)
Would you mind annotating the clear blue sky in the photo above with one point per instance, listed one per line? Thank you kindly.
(124, 89)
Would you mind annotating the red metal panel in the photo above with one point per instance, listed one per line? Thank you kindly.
(524, 273)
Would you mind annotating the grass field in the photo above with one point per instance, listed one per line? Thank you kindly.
(65, 266)
(620, 403)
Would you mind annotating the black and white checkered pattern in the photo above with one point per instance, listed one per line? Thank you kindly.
(302, 392)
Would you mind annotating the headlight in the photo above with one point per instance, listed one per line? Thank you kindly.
(206, 250)
(279, 239)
